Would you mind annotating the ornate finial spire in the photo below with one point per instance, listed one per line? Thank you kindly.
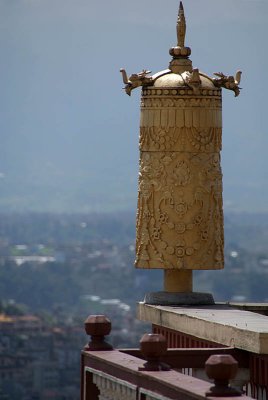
(181, 26)
(180, 53)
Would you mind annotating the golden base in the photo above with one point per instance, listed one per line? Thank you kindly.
(178, 280)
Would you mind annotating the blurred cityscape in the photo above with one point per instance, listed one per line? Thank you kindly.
(56, 269)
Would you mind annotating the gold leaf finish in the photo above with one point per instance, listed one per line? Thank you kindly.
(180, 217)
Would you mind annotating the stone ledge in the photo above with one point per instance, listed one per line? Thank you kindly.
(218, 323)
(260, 308)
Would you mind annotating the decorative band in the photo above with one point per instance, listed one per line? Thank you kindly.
(180, 92)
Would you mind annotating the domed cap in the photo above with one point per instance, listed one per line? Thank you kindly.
(180, 72)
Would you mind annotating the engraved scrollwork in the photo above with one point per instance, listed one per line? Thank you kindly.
(195, 216)
(163, 217)
(157, 103)
(205, 139)
(181, 208)
(180, 227)
(167, 102)
(173, 102)
(157, 138)
(180, 103)
(191, 139)
(181, 173)
(184, 93)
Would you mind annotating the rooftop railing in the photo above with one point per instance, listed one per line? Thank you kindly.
(154, 372)
(241, 327)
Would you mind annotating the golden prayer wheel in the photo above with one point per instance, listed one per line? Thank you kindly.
(180, 213)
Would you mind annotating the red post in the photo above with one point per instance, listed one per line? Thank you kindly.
(98, 326)
(221, 368)
(152, 347)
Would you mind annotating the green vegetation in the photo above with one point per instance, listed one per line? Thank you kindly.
(64, 267)
(93, 255)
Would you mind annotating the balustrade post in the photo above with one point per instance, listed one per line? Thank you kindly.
(153, 346)
(98, 326)
(221, 368)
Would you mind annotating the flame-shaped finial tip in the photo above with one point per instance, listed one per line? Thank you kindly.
(181, 26)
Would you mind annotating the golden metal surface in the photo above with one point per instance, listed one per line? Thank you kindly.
(180, 214)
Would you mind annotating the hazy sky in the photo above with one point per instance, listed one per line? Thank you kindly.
(66, 123)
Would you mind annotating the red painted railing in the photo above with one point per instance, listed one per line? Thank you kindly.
(176, 339)
(257, 363)
(151, 372)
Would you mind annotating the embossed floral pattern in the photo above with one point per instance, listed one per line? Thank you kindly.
(181, 208)
(156, 233)
(163, 218)
(181, 173)
(180, 219)
(188, 139)
(180, 227)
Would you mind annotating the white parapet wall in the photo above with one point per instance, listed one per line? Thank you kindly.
(221, 324)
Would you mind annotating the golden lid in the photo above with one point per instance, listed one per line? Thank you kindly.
(181, 72)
